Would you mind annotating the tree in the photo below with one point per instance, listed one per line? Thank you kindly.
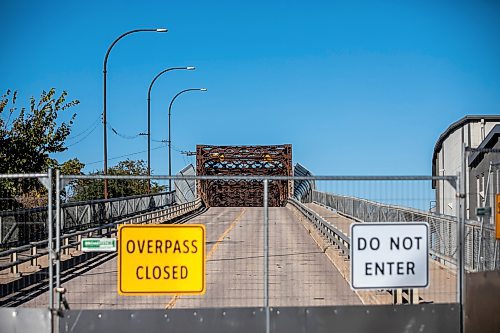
(70, 167)
(28, 136)
(93, 189)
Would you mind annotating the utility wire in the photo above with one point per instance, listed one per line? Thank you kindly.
(91, 127)
(179, 150)
(123, 136)
(86, 136)
(174, 148)
(131, 154)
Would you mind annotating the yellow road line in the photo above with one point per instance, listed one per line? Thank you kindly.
(174, 299)
(221, 238)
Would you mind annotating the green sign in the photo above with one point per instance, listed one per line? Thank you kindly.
(483, 211)
(99, 244)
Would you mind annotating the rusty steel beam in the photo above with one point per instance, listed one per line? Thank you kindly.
(243, 161)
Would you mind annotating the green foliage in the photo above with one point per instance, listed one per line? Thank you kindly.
(94, 189)
(28, 136)
(72, 167)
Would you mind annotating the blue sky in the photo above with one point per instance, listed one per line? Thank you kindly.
(355, 87)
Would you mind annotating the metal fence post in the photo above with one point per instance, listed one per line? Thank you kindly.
(63, 219)
(34, 252)
(89, 214)
(460, 254)
(460, 238)
(266, 256)
(58, 234)
(50, 248)
(14, 269)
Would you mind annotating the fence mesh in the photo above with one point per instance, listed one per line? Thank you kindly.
(306, 266)
(89, 278)
(23, 239)
(342, 203)
(483, 189)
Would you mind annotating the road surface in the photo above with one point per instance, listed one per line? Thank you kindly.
(300, 274)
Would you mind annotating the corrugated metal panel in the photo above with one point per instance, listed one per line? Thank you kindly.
(185, 189)
(302, 189)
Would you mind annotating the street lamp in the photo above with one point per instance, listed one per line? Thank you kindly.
(169, 140)
(189, 68)
(104, 93)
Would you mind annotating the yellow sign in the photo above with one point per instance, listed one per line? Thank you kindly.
(497, 216)
(161, 259)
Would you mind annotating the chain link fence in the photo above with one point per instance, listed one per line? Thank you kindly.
(307, 245)
(482, 207)
(25, 228)
(24, 234)
(340, 203)
(256, 257)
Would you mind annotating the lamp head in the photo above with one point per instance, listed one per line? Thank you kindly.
(161, 30)
(190, 68)
(203, 89)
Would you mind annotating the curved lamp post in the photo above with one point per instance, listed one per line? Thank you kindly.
(104, 93)
(169, 140)
(189, 68)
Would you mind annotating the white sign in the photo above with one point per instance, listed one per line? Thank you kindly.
(389, 255)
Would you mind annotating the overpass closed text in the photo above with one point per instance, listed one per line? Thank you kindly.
(166, 246)
(161, 259)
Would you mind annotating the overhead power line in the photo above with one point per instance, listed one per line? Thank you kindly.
(126, 155)
(91, 127)
(121, 135)
(86, 136)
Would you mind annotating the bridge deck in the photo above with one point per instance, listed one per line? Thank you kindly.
(300, 273)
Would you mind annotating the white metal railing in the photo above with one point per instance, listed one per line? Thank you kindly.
(33, 251)
(20, 227)
(442, 228)
(328, 230)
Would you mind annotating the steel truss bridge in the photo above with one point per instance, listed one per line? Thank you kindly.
(243, 161)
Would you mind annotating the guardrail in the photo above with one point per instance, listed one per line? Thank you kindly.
(343, 243)
(328, 230)
(21, 227)
(73, 239)
(442, 228)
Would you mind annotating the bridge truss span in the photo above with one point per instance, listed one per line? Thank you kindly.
(243, 161)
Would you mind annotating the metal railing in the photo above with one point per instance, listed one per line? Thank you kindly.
(342, 242)
(442, 228)
(326, 229)
(21, 227)
(33, 251)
